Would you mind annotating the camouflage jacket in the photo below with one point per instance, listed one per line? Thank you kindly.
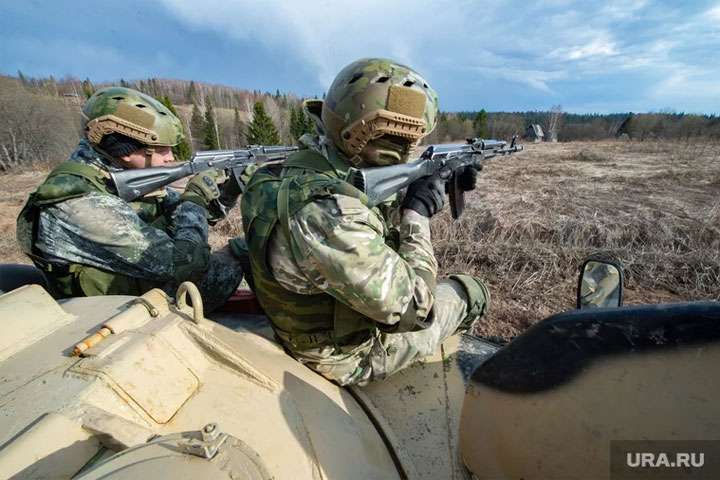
(100, 230)
(339, 246)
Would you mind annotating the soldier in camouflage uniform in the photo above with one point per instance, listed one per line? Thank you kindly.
(600, 286)
(91, 242)
(351, 289)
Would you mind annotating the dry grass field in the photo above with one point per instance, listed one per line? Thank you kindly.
(652, 206)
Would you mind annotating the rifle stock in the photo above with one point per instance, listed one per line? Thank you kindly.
(130, 186)
(134, 183)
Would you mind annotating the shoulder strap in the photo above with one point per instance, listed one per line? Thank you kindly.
(69, 180)
(91, 174)
(331, 165)
(283, 211)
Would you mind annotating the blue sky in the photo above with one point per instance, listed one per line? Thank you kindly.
(588, 56)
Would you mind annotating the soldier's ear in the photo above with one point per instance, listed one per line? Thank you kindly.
(135, 159)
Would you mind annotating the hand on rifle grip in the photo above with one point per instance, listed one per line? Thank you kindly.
(467, 178)
(425, 196)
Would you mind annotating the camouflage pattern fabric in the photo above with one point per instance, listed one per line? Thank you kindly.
(600, 286)
(367, 86)
(358, 83)
(135, 239)
(143, 118)
(340, 247)
(386, 353)
(343, 253)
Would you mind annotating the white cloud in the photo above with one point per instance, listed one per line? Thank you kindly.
(536, 79)
(592, 49)
(440, 37)
(622, 9)
(326, 34)
(697, 90)
(542, 41)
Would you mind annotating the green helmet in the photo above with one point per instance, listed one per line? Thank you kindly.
(373, 97)
(133, 114)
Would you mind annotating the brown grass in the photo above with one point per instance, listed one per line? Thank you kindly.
(536, 215)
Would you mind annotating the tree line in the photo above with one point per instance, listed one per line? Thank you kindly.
(570, 127)
(40, 124)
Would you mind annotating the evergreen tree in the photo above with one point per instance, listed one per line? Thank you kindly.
(21, 77)
(294, 124)
(305, 122)
(262, 130)
(191, 93)
(88, 88)
(182, 150)
(125, 84)
(481, 125)
(196, 127)
(209, 132)
(300, 124)
(239, 129)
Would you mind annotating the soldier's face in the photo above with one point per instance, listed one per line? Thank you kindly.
(160, 157)
(386, 150)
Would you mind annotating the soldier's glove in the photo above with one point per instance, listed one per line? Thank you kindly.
(211, 191)
(425, 196)
(467, 178)
(229, 193)
(203, 188)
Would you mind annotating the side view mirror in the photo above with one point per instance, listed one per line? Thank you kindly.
(600, 284)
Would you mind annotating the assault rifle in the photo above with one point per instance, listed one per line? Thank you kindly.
(135, 183)
(444, 161)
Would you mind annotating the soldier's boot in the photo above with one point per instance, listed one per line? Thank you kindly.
(478, 300)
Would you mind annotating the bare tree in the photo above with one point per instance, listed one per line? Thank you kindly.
(34, 128)
(556, 114)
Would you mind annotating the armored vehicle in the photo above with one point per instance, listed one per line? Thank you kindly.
(149, 387)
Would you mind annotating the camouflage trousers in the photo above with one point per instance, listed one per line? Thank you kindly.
(219, 282)
(386, 353)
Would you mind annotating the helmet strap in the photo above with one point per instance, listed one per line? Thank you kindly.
(149, 151)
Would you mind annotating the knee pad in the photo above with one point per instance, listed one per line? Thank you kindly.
(477, 293)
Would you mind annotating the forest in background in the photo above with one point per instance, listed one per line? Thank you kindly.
(40, 122)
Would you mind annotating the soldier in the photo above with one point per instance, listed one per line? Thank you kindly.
(89, 241)
(351, 290)
(600, 286)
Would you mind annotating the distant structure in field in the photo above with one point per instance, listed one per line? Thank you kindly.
(623, 131)
(535, 133)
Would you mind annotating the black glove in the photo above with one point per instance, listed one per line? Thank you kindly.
(229, 193)
(467, 178)
(425, 196)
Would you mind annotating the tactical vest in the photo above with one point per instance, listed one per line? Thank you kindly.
(270, 200)
(70, 180)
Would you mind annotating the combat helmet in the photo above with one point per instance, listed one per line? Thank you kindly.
(132, 114)
(375, 97)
